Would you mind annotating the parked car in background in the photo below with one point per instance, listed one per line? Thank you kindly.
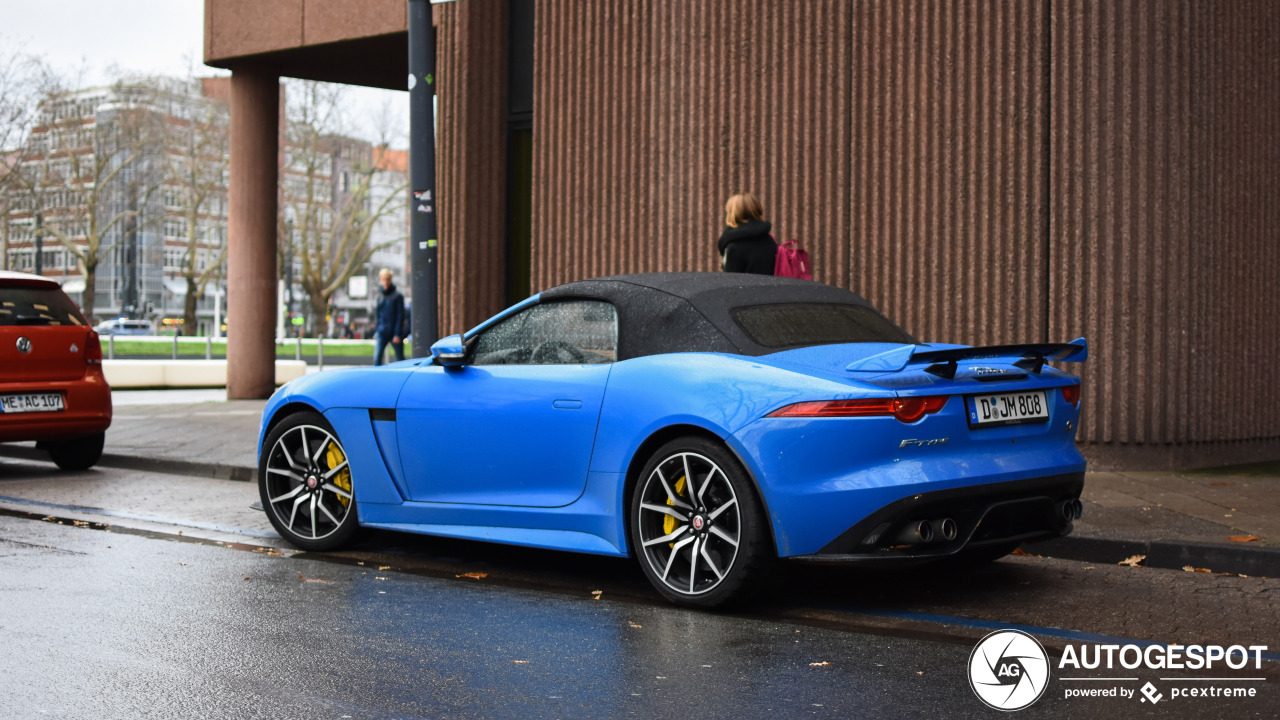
(52, 389)
(705, 424)
(125, 326)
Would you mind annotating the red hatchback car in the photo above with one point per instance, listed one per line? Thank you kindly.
(51, 385)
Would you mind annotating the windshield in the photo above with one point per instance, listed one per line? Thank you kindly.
(792, 325)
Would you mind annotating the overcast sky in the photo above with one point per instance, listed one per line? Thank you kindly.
(84, 38)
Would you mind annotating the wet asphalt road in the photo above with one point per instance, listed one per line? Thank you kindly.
(135, 620)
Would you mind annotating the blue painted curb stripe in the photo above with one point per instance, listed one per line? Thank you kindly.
(1031, 629)
(230, 529)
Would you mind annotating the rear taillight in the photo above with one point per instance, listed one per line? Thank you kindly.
(908, 410)
(93, 349)
(1071, 393)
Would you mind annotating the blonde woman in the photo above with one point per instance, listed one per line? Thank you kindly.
(746, 245)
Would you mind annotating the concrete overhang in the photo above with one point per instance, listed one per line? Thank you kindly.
(358, 42)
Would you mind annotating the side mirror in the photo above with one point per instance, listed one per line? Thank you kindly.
(449, 351)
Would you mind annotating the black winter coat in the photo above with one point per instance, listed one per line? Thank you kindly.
(390, 312)
(749, 248)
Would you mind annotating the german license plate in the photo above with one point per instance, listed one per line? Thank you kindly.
(1008, 409)
(31, 402)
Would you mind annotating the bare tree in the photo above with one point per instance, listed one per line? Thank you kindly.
(81, 173)
(331, 202)
(197, 173)
(21, 78)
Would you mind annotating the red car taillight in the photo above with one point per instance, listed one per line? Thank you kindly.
(93, 349)
(907, 410)
(1071, 393)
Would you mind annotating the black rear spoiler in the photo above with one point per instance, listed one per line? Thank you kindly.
(1029, 357)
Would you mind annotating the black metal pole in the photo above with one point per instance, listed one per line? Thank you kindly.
(423, 237)
(39, 244)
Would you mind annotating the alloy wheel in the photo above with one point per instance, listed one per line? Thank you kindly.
(689, 523)
(307, 484)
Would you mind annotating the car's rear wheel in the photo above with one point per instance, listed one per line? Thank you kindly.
(696, 524)
(304, 480)
(79, 453)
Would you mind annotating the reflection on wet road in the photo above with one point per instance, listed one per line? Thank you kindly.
(139, 621)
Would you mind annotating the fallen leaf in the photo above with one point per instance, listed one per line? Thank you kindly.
(1018, 551)
(79, 523)
(307, 579)
(1244, 538)
(1219, 484)
(597, 593)
(919, 672)
(474, 575)
(520, 662)
(246, 578)
(824, 663)
(1132, 561)
(384, 567)
(633, 625)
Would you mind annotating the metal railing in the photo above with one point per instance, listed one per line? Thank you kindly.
(178, 347)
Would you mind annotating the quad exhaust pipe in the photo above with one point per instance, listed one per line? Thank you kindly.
(918, 532)
(945, 529)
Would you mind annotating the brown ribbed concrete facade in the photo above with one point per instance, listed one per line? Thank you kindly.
(471, 146)
(986, 172)
(1165, 230)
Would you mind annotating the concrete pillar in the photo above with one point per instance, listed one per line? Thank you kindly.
(251, 252)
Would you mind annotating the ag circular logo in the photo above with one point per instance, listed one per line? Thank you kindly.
(1008, 670)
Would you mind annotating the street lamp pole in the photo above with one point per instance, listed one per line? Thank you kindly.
(423, 235)
(39, 244)
(288, 275)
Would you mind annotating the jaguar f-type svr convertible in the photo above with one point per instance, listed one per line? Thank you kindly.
(706, 424)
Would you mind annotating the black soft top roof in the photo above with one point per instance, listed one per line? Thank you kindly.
(691, 312)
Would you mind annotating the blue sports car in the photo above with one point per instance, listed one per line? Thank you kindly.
(705, 423)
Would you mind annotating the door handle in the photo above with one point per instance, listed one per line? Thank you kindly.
(567, 404)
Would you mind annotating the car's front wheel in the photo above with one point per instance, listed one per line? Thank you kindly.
(79, 453)
(304, 480)
(696, 524)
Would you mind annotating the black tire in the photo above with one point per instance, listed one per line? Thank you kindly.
(79, 453)
(306, 488)
(701, 546)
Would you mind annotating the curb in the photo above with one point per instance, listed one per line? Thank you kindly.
(1257, 561)
(216, 471)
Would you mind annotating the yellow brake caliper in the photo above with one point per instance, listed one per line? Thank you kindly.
(342, 479)
(668, 522)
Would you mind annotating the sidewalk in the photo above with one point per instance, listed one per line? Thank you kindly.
(1176, 520)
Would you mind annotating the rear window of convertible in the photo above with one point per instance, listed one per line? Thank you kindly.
(791, 325)
(25, 305)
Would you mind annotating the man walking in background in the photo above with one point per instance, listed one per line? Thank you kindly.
(390, 318)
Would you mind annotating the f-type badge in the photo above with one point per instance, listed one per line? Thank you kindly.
(922, 443)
